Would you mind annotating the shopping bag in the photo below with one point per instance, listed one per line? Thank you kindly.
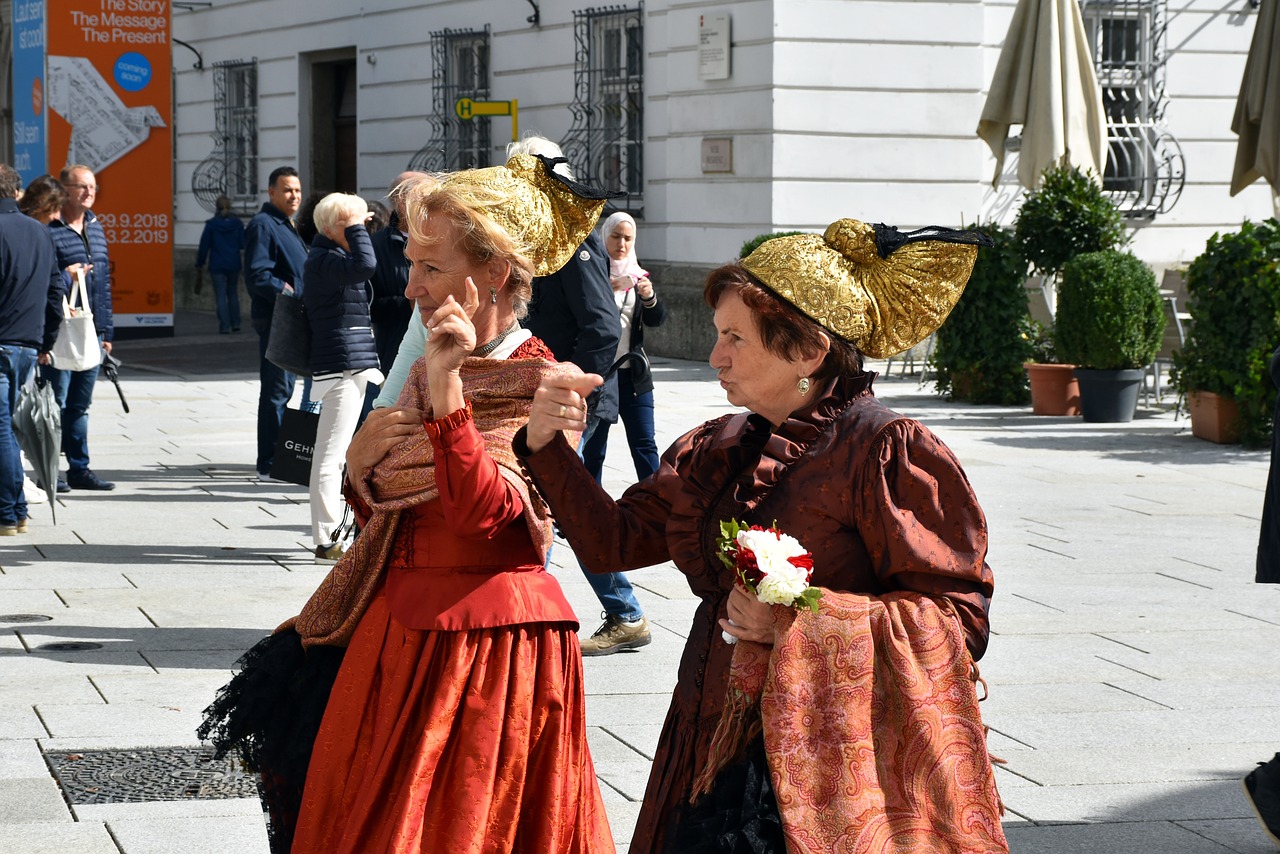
(294, 446)
(77, 347)
(289, 344)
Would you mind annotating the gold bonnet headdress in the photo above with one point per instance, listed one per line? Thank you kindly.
(882, 290)
(548, 212)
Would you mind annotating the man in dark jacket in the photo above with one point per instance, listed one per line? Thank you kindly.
(30, 311)
(78, 238)
(574, 313)
(273, 258)
(220, 245)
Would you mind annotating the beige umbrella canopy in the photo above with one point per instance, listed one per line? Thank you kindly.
(1045, 82)
(1257, 118)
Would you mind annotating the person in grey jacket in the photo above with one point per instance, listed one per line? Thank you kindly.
(344, 357)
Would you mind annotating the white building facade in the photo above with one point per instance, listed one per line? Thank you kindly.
(721, 121)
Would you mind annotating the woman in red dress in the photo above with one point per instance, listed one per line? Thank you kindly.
(456, 720)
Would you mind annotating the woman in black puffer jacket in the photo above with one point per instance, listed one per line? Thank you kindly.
(344, 358)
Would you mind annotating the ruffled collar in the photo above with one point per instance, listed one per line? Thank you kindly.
(785, 445)
(735, 462)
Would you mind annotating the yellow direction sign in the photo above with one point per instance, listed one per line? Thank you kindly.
(468, 109)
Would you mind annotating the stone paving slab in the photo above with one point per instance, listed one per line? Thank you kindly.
(1146, 801)
(1128, 836)
(57, 838)
(31, 799)
(213, 835)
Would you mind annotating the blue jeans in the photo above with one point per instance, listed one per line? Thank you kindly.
(226, 295)
(16, 363)
(612, 588)
(636, 412)
(273, 396)
(74, 391)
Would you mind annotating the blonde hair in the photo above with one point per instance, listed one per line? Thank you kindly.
(336, 207)
(467, 206)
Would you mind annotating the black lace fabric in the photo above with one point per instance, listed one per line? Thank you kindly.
(738, 816)
(268, 715)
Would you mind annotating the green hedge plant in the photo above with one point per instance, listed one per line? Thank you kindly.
(1067, 216)
(980, 349)
(1233, 291)
(1109, 315)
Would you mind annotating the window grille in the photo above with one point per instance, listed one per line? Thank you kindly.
(460, 65)
(1144, 174)
(605, 145)
(232, 168)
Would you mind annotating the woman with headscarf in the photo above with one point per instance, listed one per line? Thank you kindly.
(638, 307)
(456, 717)
(853, 727)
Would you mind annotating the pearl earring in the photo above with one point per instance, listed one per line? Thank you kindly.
(493, 295)
(803, 385)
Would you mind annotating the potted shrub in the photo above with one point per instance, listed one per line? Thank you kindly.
(1066, 216)
(1110, 323)
(980, 350)
(1233, 291)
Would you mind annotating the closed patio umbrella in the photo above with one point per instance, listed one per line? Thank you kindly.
(1257, 118)
(37, 424)
(1045, 81)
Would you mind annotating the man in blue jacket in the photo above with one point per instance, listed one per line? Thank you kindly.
(220, 245)
(78, 238)
(274, 255)
(30, 312)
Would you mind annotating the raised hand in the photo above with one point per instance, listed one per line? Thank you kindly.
(453, 335)
(560, 403)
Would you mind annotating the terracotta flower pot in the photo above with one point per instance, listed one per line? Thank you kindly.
(1214, 418)
(1054, 389)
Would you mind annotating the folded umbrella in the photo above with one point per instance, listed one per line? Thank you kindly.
(111, 367)
(37, 424)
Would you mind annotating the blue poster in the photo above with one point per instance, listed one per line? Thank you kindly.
(29, 129)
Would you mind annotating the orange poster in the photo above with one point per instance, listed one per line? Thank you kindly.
(108, 90)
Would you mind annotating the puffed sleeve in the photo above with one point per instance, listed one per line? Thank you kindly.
(922, 524)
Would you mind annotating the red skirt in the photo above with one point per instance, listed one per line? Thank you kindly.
(468, 741)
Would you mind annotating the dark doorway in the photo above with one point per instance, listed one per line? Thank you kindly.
(333, 126)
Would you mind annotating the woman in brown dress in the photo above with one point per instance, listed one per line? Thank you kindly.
(854, 728)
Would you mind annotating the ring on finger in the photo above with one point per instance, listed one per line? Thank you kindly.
(562, 410)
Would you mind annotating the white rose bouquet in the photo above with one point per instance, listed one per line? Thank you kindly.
(770, 564)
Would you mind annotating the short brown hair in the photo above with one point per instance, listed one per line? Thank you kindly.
(784, 331)
(44, 197)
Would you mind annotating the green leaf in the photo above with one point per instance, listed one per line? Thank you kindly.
(809, 599)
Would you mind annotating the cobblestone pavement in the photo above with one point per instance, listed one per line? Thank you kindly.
(1132, 666)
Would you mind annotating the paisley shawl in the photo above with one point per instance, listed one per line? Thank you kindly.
(500, 394)
(872, 731)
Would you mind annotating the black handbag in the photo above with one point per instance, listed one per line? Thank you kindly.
(295, 444)
(289, 344)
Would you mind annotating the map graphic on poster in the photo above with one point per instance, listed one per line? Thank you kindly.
(103, 129)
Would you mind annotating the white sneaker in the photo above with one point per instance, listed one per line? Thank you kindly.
(33, 493)
(266, 478)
